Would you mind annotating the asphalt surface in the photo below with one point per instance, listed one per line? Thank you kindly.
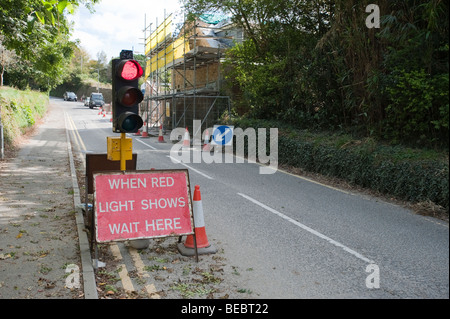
(287, 236)
(300, 238)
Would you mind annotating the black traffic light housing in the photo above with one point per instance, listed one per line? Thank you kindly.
(126, 94)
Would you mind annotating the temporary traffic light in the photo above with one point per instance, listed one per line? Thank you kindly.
(126, 94)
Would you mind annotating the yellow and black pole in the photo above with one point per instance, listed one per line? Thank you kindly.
(123, 161)
(120, 149)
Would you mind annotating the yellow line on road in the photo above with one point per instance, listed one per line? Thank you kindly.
(123, 272)
(151, 288)
(76, 136)
(74, 128)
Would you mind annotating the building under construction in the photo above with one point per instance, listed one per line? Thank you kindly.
(183, 71)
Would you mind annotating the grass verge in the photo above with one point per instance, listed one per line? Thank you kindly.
(20, 110)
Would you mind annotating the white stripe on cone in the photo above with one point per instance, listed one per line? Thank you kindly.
(199, 220)
(199, 223)
(186, 142)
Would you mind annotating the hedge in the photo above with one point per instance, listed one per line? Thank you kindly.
(20, 110)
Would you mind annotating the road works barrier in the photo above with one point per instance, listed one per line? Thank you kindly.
(141, 204)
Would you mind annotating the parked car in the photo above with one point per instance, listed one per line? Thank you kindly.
(70, 96)
(86, 101)
(96, 99)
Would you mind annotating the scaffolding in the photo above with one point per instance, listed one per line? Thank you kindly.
(183, 72)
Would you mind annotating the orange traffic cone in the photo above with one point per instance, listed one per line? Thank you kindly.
(138, 133)
(203, 245)
(100, 111)
(206, 146)
(186, 141)
(161, 137)
(144, 132)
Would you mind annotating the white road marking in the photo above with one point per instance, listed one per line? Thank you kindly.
(308, 229)
(142, 142)
(193, 169)
(177, 161)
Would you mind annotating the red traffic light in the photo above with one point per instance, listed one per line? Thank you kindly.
(129, 70)
(128, 96)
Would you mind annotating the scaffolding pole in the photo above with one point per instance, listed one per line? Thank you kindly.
(182, 57)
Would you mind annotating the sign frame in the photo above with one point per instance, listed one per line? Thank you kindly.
(145, 172)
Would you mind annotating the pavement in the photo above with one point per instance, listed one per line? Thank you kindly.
(44, 250)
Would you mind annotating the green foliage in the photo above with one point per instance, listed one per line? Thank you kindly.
(20, 110)
(38, 32)
(260, 81)
(315, 64)
(419, 105)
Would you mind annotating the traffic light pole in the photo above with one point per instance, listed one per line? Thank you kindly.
(123, 161)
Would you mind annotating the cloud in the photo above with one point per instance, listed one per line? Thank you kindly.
(118, 24)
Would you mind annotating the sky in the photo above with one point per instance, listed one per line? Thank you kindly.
(118, 25)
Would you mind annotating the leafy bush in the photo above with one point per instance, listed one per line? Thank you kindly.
(419, 106)
(20, 110)
(330, 71)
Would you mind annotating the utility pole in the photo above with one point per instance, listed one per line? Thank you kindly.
(2, 144)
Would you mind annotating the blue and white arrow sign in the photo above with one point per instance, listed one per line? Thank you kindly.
(222, 135)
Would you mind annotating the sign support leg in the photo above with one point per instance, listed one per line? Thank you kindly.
(94, 242)
(195, 246)
(195, 239)
(89, 214)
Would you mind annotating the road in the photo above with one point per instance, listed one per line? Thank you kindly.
(297, 237)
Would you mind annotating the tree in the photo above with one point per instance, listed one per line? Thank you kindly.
(103, 68)
(415, 71)
(7, 59)
(315, 63)
(280, 38)
(79, 60)
(263, 19)
(38, 31)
